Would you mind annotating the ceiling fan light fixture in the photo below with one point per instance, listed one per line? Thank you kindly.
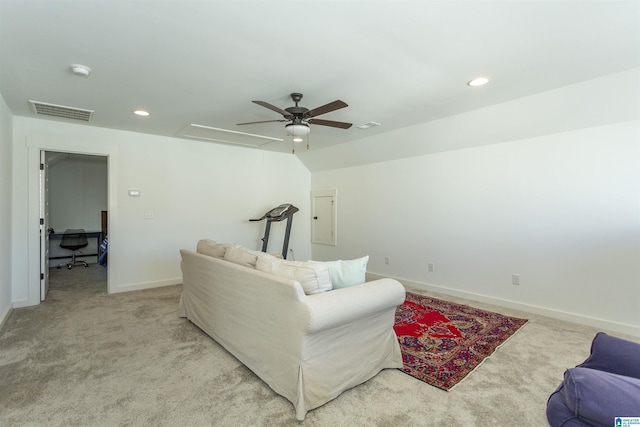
(297, 130)
(299, 118)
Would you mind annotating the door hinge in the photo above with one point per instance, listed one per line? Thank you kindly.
(41, 166)
(41, 221)
(41, 276)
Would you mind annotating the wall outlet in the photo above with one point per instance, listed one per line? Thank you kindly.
(430, 266)
(515, 279)
(387, 260)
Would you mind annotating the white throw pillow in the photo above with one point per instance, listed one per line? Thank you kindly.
(267, 263)
(314, 277)
(345, 273)
(240, 255)
(211, 248)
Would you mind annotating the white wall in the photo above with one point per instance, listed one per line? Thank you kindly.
(562, 210)
(598, 102)
(6, 132)
(194, 190)
(77, 192)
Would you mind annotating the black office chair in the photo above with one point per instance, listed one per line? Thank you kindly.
(73, 240)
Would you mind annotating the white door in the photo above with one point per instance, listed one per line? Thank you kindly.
(44, 227)
(323, 217)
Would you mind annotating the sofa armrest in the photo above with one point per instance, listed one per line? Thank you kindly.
(614, 355)
(334, 308)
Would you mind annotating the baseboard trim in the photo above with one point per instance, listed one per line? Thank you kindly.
(5, 316)
(555, 314)
(146, 285)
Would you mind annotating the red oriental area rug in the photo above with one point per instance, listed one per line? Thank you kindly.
(442, 342)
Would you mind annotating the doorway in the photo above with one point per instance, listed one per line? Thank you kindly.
(73, 195)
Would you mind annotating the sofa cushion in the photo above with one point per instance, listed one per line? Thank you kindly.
(598, 397)
(558, 414)
(314, 277)
(240, 255)
(345, 273)
(615, 355)
(211, 248)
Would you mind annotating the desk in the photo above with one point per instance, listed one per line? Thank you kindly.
(56, 252)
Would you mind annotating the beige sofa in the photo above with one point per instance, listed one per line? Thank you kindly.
(307, 348)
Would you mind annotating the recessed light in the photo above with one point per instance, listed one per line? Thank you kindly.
(480, 81)
(141, 113)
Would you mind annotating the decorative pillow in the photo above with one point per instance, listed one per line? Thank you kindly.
(211, 248)
(314, 277)
(240, 255)
(347, 273)
(267, 263)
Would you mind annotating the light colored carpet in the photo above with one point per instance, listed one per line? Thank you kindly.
(87, 358)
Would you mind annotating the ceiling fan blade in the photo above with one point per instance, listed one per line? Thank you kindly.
(334, 124)
(332, 106)
(263, 121)
(273, 108)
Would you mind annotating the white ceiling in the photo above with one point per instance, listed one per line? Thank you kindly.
(398, 63)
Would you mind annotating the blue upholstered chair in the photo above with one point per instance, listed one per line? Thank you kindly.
(604, 387)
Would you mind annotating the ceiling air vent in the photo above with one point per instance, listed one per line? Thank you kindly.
(53, 110)
(368, 125)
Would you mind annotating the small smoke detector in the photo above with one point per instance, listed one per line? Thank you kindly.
(80, 70)
(53, 110)
(368, 125)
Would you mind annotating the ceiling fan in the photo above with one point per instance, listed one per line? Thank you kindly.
(300, 118)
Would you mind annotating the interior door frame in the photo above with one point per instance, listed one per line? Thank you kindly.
(44, 226)
(36, 145)
(45, 158)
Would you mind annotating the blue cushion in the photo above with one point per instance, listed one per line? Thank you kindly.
(604, 386)
(598, 397)
(558, 414)
(615, 355)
